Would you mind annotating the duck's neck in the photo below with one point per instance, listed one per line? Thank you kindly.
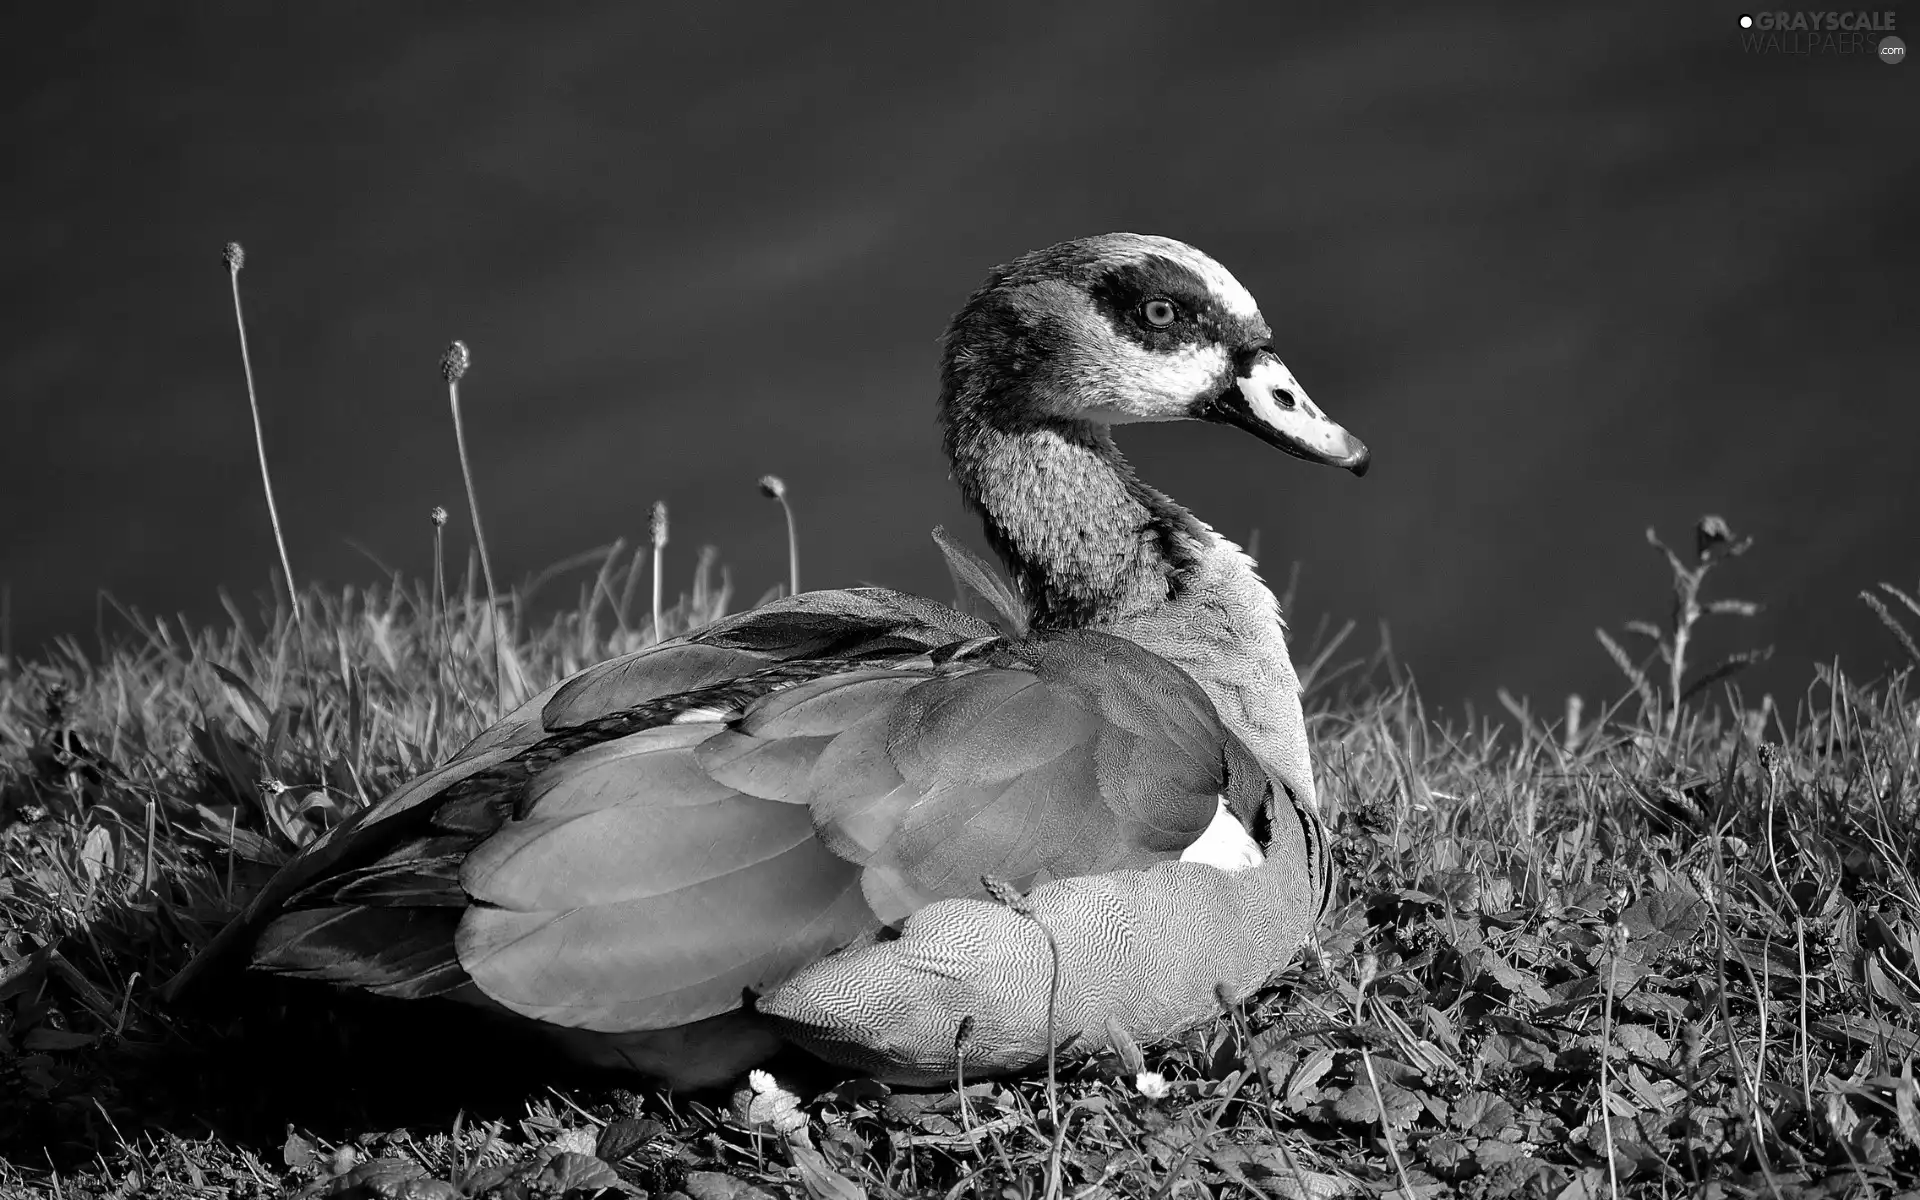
(1091, 546)
(1087, 542)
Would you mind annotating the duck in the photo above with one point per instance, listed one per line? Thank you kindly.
(788, 828)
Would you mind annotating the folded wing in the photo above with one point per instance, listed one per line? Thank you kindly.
(662, 838)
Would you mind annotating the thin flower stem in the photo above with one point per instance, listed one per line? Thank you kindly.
(1806, 1051)
(1756, 1122)
(1386, 1130)
(775, 488)
(793, 549)
(236, 258)
(453, 365)
(1606, 1042)
(1368, 969)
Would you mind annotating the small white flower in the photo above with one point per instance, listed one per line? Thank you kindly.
(1151, 1084)
(776, 1108)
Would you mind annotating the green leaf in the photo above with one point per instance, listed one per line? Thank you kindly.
(568, 1172)
(1516, 1053)
(1357, 1103)
(1906, 1104)
(381, 1179)
(1648, 1003)
(1482, 1114)
(1515, 981)
(278, 733)
(297, 1152)
(625, 1136)
(246, 702)
(1492, 1152)
(712, 1185)
(1666, 918)
(96, 853)
(1264, 1169)
(1302, 1087)
(820, 1179)
(1643, 1043)
(233, 768)
(1125, 1049)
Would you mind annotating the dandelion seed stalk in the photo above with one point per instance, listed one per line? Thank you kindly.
(775, 488)
(236, 258)
(453, 366)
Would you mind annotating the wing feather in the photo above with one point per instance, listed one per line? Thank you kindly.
(389, 951)
(986, 725)
(653, 763)
(673, 958)
(770, 770)
(590, 863)
(425, 881)
(629, 842)
(826, 705)
(643, 676)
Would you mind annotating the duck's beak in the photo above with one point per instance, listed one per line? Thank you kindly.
(1267, 401)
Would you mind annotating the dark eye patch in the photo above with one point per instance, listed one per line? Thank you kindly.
(1120, 292)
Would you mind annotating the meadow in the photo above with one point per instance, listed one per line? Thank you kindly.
(1665, 946)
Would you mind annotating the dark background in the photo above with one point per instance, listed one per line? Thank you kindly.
(1569, 272)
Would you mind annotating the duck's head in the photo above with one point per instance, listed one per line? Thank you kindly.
(1127, 327)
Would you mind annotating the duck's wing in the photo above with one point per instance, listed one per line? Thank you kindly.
(663, 877)
(656, 865)
(848, 625)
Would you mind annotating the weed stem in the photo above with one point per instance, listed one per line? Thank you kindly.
(236, 258)
(453, 365)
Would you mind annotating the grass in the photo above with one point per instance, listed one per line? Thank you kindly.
(1675, 954)
(1670, 949)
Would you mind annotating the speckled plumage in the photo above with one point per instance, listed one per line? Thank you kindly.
(1129, 962)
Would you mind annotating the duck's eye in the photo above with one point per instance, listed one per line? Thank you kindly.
(1159, 313)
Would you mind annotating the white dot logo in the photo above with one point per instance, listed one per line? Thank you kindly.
(1892, 50)
(1746, 22)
